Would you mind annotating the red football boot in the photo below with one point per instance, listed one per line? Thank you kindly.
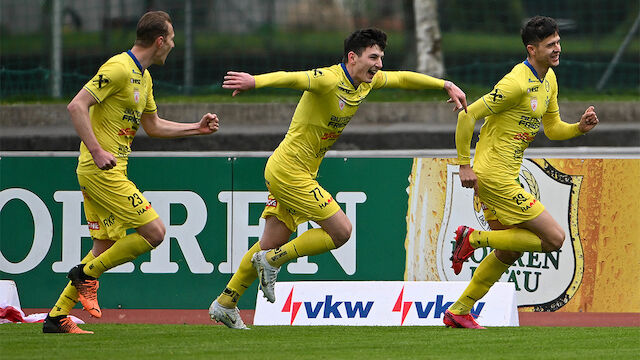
(460, 321)
(463, 249)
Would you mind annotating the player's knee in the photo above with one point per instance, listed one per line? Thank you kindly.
(155, 235)
(342, 235)
(554, 241)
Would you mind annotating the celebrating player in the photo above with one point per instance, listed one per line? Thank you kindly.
(331, 97)
(514, 109)
(106, 114)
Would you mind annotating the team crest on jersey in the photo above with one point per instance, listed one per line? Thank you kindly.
(341, 104)
(317, 73)
(136, 95)
(534, 103)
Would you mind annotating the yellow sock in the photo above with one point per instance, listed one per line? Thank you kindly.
(241, 280)
(487, 273)
(69, 296)
(123, 250)
(311, 242)
(515, 239)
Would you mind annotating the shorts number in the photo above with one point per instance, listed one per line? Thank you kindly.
(135, 199)
(317, 193)
(519, 199)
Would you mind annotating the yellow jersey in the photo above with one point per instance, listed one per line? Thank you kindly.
(328, 103)
(123, 91)
(513, 112)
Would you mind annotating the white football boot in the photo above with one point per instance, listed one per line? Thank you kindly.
(267, 275)
(229, 317)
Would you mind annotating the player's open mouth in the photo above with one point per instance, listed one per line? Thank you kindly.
(372, 72)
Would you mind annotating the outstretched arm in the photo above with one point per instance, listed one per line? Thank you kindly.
(156, 127)
(416, 81)
(314, 80)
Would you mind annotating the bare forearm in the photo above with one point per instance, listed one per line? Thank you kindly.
(82, 124)
(162, 128)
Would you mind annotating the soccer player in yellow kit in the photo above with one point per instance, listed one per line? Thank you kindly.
(331, 97)
(106, 113)
(514, 109)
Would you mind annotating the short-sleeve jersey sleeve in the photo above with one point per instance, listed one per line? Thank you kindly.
(108, 80)
(505, 95)
(150, 107)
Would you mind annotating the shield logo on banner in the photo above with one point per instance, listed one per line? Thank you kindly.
(534, 103)
(543, 281)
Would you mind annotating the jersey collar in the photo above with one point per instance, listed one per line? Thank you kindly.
(135, 60)
(535, 73)
(344, 67)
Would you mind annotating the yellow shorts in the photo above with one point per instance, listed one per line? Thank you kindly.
(507, 202)
(113, 204)
(294, 197)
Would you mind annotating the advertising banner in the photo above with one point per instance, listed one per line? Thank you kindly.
(594, 200)
(211, 208)
(380, 303)
(403, 211)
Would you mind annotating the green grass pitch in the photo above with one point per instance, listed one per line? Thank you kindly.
(138, 341)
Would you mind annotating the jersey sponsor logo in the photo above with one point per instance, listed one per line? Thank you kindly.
(530, 122)
(136, 81)
(322, 151)
(423, 308)
(101, 80)
(330, 136)
(109, 221)
(93, 225)
(525, 137)
(143, 210)
(271, 203)
(534, 103)
(137, 73)
(326, 203)
(127, 132)
(132, 116)
(533, 89)
(338, 122)
(317, 73)
(496, 95)
(124, 150)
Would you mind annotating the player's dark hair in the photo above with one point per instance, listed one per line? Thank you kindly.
(152, 25)
(537, 29)
(362, 39)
